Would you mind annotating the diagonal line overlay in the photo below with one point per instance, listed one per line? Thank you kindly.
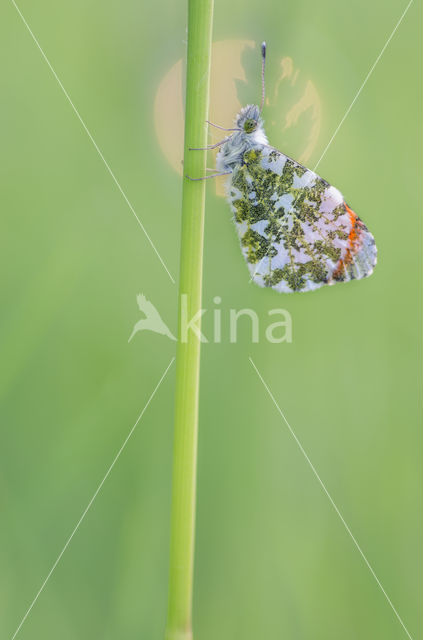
(75, 110)
(372, 68)
(338, 513)
(87, 508)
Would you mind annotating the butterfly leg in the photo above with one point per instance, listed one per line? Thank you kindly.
(207, 168)
(219, 127)
(210, 146)
(212, 175)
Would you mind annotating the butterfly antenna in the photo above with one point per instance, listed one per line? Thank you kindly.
(263, 64)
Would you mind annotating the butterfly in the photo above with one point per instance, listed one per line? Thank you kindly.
(296, 231)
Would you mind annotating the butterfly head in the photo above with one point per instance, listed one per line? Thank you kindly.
(249, 119)
(250, 123)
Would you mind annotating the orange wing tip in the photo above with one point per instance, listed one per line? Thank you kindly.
(361, 254)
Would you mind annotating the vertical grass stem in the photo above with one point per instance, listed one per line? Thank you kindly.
(179, 622)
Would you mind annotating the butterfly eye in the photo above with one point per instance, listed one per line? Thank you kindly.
(250, 125)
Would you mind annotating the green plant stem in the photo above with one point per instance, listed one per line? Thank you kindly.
(179, 622)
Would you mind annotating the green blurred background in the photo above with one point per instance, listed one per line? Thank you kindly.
(273, 560)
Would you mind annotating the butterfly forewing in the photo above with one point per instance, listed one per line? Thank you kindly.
(296, 231)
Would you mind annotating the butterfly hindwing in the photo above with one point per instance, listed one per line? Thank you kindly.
(296, 231)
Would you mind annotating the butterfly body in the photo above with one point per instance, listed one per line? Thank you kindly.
(297, 233)
(232, 151)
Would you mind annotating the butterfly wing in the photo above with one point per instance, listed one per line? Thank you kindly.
(297, 232)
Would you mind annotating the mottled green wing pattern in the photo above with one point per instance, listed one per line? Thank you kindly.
(296, 231)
